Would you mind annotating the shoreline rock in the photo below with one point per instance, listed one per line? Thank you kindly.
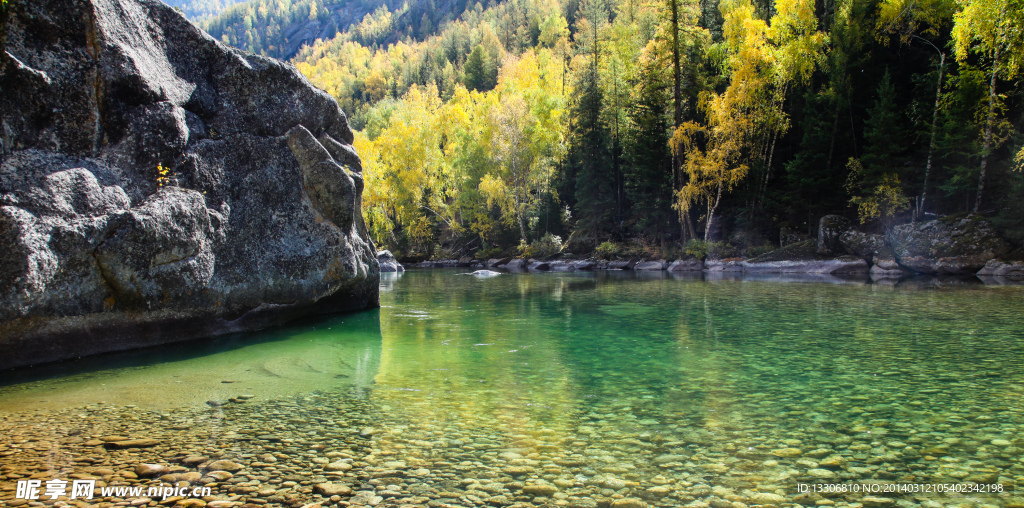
(656, 265)
(845, 264)
(388, 263)
(1000, 268)
(950, 246)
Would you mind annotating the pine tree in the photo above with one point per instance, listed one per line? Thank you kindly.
(885, 137)
(480, 73)
(589, 158)
(648, 167)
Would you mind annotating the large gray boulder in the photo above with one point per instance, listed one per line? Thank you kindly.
(804, 257)
(514, 264)
(865, 245)
(562, 266)
(960, 245)
(388, 263)
(539, 266)
(255, 221)
(718, 265)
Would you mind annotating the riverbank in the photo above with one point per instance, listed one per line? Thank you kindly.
(958, 246)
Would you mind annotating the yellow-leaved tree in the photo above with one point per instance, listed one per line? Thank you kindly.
(527, 134)
(884, 200)
(408, 179)
(994, 30)
(743, 122)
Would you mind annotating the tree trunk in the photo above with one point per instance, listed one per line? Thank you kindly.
(516, 186)
(931, 144)
(832, 142)
(768, 169)
(677, 93)
(989, 124)
(711, 213)
(616, 162)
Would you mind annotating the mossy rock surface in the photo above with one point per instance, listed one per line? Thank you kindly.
(953, 245)
(800, 251)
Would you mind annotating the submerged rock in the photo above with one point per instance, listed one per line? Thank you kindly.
(132, 443)
(540, 490)
(332, 489)
(484, 273)
(156, 186)
(947, 246)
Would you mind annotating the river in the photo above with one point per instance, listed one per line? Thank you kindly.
(581, 389)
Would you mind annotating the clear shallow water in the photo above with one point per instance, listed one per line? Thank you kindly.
(567, 389)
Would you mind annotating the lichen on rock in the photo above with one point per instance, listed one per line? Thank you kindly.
(953, 245)
(156, 185)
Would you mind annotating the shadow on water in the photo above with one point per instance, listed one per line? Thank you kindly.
(308, 353)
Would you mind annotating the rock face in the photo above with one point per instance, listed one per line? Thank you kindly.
(947, 246)
(830, 230)
(157, 186)
(865, 245)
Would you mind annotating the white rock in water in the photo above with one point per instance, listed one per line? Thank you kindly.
(485, 273)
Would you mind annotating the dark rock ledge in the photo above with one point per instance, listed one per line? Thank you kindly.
(256, 220)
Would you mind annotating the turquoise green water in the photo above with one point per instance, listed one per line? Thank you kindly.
(607, 386)
(898, 385)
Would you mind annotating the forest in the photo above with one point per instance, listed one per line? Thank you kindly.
(528, 127)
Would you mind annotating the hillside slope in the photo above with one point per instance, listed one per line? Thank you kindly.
(279, 28)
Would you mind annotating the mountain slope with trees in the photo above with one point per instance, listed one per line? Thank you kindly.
(528, 125)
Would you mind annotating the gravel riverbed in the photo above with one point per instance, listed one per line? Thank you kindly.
(339, 449)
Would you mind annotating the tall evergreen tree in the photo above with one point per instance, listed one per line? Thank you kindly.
(590, 159)
(885, 137)
(480, 73)
(648, 167)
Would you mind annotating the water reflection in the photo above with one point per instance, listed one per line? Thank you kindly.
(317, 353)
(750, 384)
